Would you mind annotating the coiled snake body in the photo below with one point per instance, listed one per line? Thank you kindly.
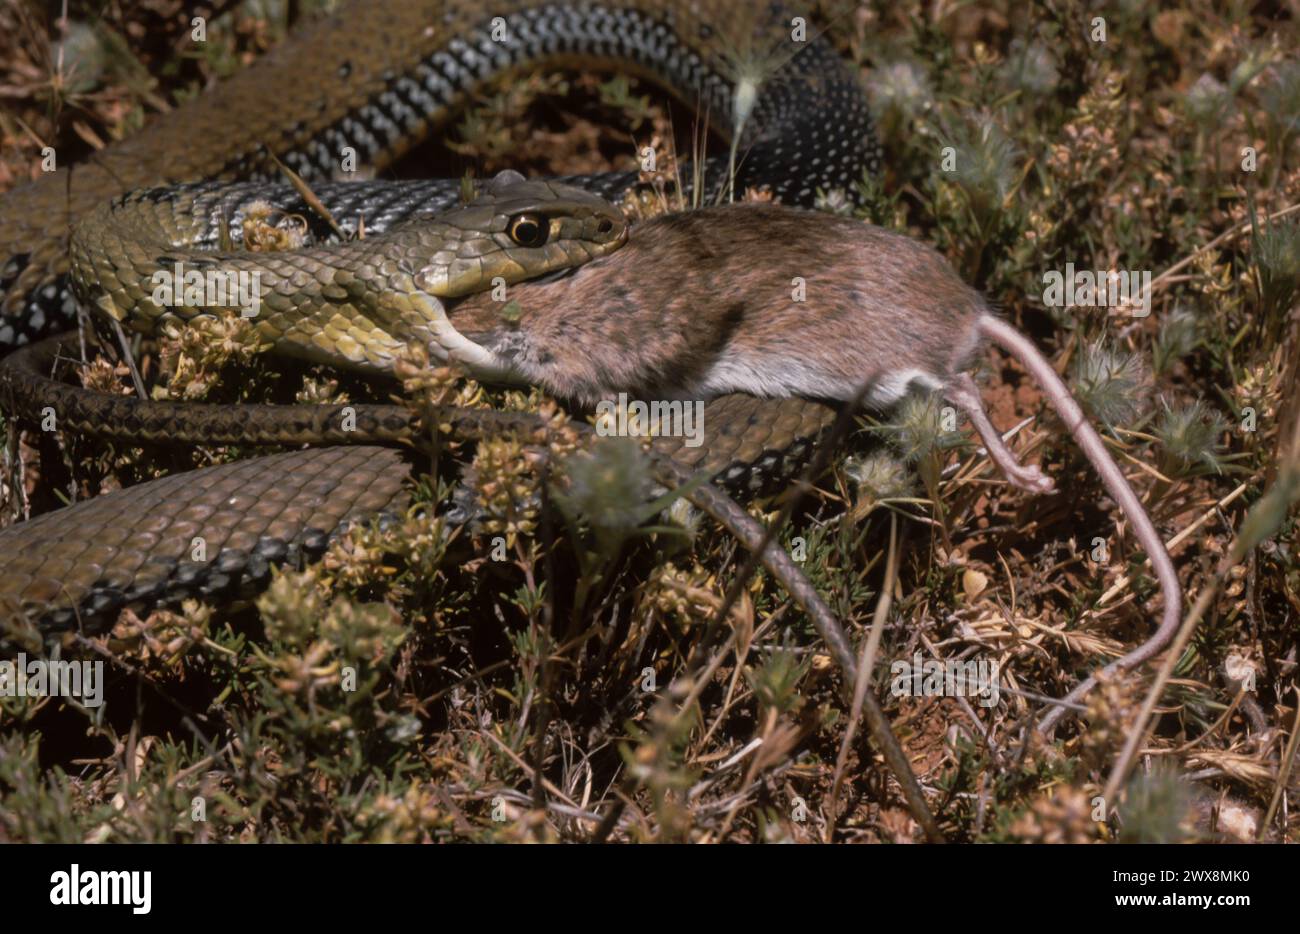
(382, 76)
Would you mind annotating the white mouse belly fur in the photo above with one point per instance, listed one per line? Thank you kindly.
(791, 378)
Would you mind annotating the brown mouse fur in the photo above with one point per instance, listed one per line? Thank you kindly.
(699, 304)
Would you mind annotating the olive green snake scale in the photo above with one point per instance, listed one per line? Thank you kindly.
(383, 76)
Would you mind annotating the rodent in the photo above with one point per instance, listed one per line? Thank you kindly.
(703, 303)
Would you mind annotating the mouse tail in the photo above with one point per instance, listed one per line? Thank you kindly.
(1112, 477)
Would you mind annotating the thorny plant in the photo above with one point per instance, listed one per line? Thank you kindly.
(413, 687)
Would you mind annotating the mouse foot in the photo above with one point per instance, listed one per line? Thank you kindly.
(965, 394)
(1028, 478)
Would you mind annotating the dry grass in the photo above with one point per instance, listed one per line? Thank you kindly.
(547, 696)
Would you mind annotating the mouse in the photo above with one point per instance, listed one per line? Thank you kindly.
(779, 301)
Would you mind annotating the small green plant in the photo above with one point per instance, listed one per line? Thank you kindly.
(1178, 337)
(979, 171)
(1190, 438)
(1155, 809)
(776, 680)
(879, 475)
(900, 94)
(1280, 100)
(1109, 383)
(1276, 248)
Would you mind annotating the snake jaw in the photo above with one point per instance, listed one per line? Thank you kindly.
(451, 346)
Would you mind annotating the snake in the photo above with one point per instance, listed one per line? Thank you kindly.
(383, 75)
(354, 304)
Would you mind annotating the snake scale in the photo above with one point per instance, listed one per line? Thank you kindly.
(384, 76)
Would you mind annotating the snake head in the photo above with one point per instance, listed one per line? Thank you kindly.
(515, 230)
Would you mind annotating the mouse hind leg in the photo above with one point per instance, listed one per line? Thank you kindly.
(962, 392)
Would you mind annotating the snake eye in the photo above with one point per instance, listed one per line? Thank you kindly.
(528, 230)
